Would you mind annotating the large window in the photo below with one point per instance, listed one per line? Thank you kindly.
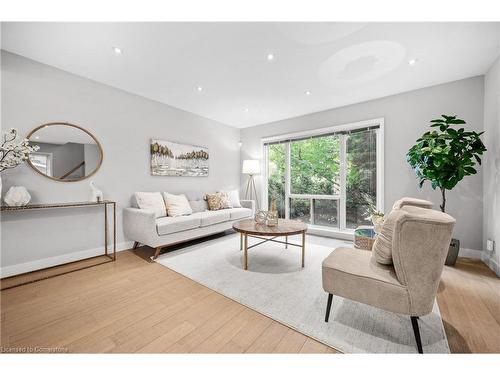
(326, 178)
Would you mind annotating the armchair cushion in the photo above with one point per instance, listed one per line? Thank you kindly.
(382, 248)
(354, 274)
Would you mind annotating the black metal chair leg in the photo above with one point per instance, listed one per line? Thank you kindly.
(416, 331)
(328, 306)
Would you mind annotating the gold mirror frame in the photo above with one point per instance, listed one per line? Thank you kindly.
(73, 126)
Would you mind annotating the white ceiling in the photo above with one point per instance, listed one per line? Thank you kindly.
(339, 63)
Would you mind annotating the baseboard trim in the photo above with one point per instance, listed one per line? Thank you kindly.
(17, 269)
(491, 263)
(470, 253)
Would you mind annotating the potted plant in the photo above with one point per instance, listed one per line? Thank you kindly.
(376, 217)
(444, 158)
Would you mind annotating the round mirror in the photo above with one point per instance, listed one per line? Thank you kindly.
(66, 152)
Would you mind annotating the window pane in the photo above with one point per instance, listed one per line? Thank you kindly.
(315, 167)
(276, 177)
(300, 209)
(361, 184)
(325, 212)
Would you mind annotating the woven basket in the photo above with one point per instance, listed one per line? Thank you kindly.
(362, 242)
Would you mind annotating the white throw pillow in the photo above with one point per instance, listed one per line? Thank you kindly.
(234, 198)
(151, 201)
(177, 205)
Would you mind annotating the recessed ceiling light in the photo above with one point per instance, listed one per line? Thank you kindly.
(412, 61)
(199, 88)
(245, 109)
(240, 143)
(270, 56)
(307, 92)
(117, 50)
(37, 137)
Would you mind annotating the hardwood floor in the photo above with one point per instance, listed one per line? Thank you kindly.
(133, 305)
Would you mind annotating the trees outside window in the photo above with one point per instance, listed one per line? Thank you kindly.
(324, 180)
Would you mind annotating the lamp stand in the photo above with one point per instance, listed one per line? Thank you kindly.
(251, 190)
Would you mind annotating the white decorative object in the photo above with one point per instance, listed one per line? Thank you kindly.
(17, 196)
(96, 193)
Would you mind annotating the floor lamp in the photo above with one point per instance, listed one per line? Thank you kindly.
(251, 168)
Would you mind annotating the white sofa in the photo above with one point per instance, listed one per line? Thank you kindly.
(142, 227)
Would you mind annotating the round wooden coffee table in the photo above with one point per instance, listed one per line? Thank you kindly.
(249, 228)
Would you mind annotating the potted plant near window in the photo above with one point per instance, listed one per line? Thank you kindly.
(377, 217)
(444, 158)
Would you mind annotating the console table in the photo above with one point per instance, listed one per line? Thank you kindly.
(52, 206)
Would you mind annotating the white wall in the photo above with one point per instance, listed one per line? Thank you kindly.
(32, 94)
(407, 117)
(491, 165)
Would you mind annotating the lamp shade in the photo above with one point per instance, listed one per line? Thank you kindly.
(251, 167)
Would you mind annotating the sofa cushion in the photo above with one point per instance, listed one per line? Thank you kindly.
(152, 201)
(218, 201)
(196, 201)
(353, 274)
(234, 198)
(177, 205)
(239, 213)
(212, 217)
(198, 206)
(382, 248)
(168, 225)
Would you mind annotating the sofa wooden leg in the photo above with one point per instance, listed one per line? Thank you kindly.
(328, 307)
(416, 331)
(157, 252)
(136, 244)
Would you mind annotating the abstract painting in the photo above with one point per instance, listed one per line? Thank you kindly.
(177, 159)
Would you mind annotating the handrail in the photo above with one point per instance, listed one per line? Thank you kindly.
(72, 170)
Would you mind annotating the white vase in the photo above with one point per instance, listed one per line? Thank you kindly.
(17, 196)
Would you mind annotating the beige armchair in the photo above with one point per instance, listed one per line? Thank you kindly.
(418, 240)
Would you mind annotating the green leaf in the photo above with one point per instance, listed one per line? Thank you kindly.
(437, 121)
(448, 118)
(470, 170)
(456, 121)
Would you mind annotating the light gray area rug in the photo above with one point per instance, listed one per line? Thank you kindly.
(276, 285)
